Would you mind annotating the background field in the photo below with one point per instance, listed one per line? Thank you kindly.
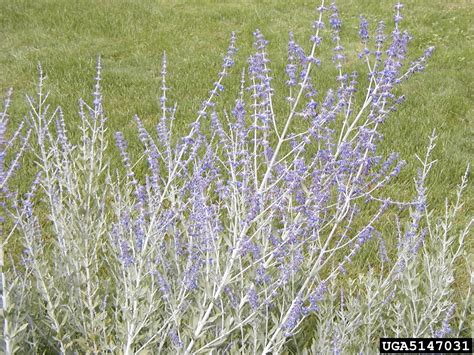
(67, 36)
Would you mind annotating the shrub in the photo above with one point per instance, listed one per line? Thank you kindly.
(243, 239)
(9, 163)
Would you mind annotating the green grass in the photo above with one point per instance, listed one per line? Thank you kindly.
(67, 36)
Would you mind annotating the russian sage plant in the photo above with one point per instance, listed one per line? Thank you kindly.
(243, 234)
(13, 322)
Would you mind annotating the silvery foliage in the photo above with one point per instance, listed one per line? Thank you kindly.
(11, 150)
(245, 239)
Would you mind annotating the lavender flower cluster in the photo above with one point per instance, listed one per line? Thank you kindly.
(241, 240)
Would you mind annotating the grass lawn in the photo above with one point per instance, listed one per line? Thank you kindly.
(67, 36)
